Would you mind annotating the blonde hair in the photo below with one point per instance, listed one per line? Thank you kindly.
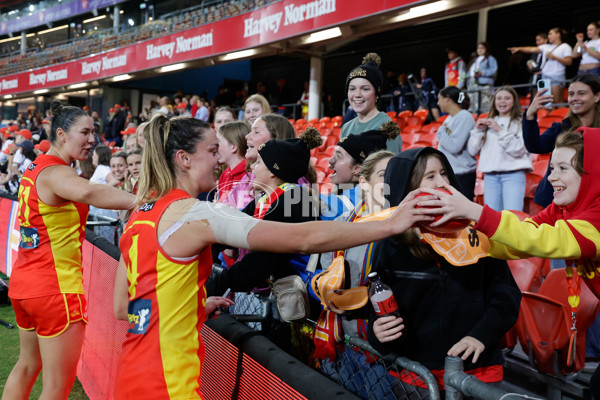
(235, 133)
(164, 138)
(260, 99)
(367, 167)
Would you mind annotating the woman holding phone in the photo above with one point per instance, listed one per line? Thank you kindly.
(584, 110)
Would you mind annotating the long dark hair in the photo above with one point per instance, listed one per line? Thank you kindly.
(104, 155)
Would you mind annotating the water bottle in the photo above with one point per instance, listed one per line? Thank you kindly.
(382, 297)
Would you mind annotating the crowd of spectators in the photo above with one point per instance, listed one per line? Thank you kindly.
(97, 41)
(263, 159)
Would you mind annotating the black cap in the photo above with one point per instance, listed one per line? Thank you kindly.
(288, 159)
(369, 70)
(26, 145)
(361, 145)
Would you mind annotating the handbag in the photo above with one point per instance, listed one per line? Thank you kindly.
(291, 293)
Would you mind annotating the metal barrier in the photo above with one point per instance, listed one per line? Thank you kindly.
(362, 370)
(97, 223)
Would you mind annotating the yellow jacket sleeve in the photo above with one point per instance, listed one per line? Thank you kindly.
(511, 238)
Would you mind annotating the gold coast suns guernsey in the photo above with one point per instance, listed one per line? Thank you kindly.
(49, 257)
(163, 352)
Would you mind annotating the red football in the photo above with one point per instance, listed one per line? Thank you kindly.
(454, 225)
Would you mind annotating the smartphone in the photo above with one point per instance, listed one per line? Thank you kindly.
(545, 84)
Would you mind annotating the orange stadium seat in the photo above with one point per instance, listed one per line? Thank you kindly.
(560, 112)
(540, 168)
(331, 140)
(391, 114)
(403, 115)
(421, 113)
(325, 120)
(414, 121)
(411, 128)
(544, 325)
(431, 128)
(547, 122)
(323, 164)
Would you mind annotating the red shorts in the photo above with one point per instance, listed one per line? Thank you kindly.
(50, 316)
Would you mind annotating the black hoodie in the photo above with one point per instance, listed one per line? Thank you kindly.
(441, 303)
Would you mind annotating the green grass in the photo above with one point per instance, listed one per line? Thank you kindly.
(9, 354)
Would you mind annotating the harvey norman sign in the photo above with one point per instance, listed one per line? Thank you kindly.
(277, 21)
(291, 14)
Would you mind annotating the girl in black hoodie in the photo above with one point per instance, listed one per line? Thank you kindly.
(445, 310)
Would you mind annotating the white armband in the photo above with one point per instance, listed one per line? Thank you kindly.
(229, 225)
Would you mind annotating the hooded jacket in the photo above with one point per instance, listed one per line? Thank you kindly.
(440, 303)
(571, 232)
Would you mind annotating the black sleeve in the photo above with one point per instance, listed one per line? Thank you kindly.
(544, 143)
(252, 271)
(503, 299)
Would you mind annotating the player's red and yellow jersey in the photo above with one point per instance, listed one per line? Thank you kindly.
(49, 258)
(163, 351)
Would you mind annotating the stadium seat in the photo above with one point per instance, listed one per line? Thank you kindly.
(547, 122)
(540, 168)
(325, 120)
(483, 115)
(560, 112)
(431, 128)
(337, 118)
(331, 140)
(403, 115)
(323, 164)
(414, 121)
(442, 118)
(391, 114)
(325, 132)
(422, 113)
(544, 325)
(527, 274)
(412, 128)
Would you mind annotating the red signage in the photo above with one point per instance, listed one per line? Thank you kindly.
(278, 21)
